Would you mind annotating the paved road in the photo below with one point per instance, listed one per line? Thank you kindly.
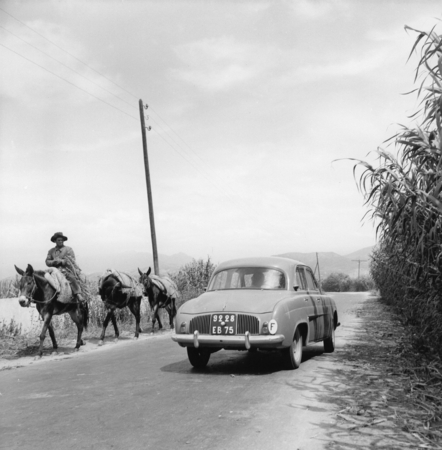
(145, 395)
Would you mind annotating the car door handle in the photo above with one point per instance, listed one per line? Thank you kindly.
(306, 299)
(318, 299)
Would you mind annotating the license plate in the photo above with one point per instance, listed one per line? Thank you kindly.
(223, 324)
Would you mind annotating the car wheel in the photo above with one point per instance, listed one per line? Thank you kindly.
(329, 343)
(198, 357)
(293, 354)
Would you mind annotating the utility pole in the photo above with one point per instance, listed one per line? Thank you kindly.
(319, 271)
(149, 190)
(359, 265)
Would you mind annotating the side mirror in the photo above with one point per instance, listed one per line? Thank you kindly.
(296, 287)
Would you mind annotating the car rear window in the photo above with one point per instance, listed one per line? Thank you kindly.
(248, 278)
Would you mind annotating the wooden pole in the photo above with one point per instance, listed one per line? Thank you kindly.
(319, 272)
(359, 265)
(149, 192)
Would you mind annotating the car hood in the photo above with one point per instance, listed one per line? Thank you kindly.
(248, 301)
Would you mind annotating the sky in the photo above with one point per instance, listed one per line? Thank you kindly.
(255, 109)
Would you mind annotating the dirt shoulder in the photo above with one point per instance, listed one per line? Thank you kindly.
(388, 396)
(22, 351)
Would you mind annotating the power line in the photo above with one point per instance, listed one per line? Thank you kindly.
(65, 65)
(67, 81)
(99, 73)
(192, 163)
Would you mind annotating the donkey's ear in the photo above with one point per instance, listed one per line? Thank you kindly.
(148, 272)
(19, 271)
(139, 271)
(29, 270)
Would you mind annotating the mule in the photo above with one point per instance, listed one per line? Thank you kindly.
(34, 288)
(112, 293)
(159, 298)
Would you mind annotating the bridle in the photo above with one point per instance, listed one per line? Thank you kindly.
(144, 279)
(31, 298)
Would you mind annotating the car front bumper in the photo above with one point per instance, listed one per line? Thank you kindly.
(220, 341)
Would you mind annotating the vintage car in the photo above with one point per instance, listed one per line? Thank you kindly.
(268, 303)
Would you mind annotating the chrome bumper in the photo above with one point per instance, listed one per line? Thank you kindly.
(246, 340)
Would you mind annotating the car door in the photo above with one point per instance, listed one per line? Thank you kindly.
(305, 298)
(317, 317)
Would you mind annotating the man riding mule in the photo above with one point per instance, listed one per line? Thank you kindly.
(62, 257)
(35, 288)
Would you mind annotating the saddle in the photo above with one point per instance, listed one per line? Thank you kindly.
(166, 286)
(60, 283)
(129, 285)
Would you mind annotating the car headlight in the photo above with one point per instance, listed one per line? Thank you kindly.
(183, 328)
(269, 327)
(265, 328)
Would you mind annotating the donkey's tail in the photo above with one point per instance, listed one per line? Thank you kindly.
(85, 310)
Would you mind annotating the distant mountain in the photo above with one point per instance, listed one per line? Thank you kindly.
(330, 262)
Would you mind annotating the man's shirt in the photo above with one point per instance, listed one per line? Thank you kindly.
(59, 253)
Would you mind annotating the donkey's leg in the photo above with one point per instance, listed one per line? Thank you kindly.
(105, 324)
(46, 321)
(170, 308)
(155, 317)
(76, 316)
(114, 323)
(52, 334)
(134, 306)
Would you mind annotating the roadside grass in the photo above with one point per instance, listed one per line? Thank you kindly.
(14, 343)
(391, 396)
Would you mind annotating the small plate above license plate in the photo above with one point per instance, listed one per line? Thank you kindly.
(223, 324)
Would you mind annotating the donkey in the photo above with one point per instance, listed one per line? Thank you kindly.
(34, 288)
(112, 293)
(159, 297)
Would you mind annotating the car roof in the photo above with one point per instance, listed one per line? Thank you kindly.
(260, 261)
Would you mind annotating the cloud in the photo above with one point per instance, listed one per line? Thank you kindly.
(37, 68)
(318, 9)
(220, 63)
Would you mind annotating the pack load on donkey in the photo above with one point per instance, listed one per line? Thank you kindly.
(162, 292)
(118, 290)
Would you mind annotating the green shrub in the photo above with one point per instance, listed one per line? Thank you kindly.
(336, 282)
(192, 279)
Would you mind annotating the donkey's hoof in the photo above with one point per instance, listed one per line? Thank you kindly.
(100, 343)
(116, 340)
(77, 349)
(38, 357)
(54, 353)
(82, 342)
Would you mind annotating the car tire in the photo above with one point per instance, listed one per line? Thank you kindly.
(329, 343)
(293, 354)
(198, 357)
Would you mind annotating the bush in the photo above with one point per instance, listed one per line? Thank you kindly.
(336, 282)
(192, 279)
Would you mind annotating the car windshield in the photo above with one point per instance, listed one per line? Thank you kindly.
(248, 278)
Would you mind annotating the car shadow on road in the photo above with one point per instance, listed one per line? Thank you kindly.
(237, 363)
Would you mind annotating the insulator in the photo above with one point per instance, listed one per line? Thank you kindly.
(148, 128)
(146, 106)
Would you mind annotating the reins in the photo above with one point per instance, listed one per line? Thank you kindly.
(33, 300)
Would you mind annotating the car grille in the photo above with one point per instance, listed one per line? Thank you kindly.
(200, 323)
(244, 323)
(247, 323)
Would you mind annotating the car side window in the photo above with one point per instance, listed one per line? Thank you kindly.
(300, 279)
(311, 282)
